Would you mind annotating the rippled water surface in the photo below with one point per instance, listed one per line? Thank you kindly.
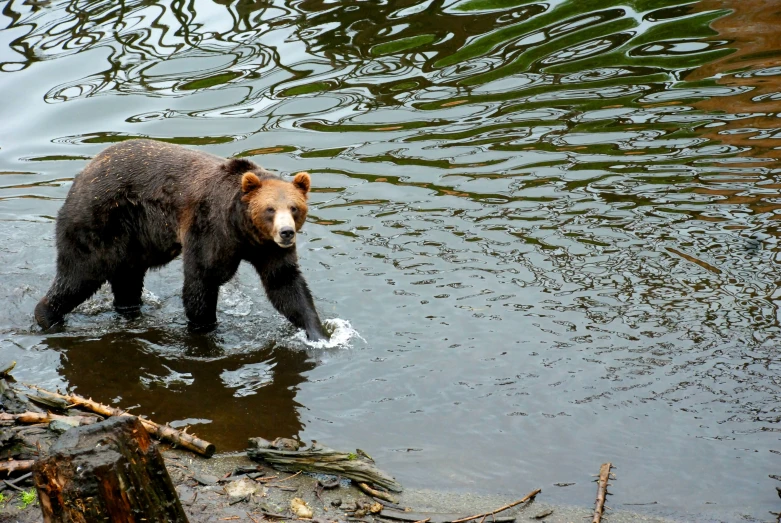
(553, 225)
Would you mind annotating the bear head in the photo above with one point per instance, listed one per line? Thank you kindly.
(277, 208)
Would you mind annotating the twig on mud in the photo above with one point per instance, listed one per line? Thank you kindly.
(253, 519)
(283, 487)
(289, 477)
(604, 476)
(13, 486)
(266, 478)
(376, 493)
(526, 498)
(17, 480)
(273, 515)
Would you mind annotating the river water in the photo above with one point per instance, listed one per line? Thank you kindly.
(548, 232)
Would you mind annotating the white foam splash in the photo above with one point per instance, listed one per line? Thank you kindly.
(341, 334)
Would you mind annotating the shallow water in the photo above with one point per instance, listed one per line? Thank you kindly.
(553, 227)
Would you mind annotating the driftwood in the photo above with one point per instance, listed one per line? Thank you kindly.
(49, 400)
(16, 465)
(604, 476)
(321, 459)
(162, 432)
(484, 515)
(108, 471)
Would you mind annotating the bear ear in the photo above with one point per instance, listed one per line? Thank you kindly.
(302, 182)
(250, 182)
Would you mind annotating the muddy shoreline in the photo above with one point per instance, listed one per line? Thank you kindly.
(205, 499)
(233, 487)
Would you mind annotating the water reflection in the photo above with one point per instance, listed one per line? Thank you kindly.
(537, 214)
(182, 377)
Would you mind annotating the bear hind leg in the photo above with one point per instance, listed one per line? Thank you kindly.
(127, 284)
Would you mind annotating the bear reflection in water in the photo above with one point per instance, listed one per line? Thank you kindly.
(171, 377)
(140, 203)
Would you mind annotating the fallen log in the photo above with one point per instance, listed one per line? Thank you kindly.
(162, 432)
(108, 471)
(484, 515)
(604, 476)
(318, 458)
(16, 465)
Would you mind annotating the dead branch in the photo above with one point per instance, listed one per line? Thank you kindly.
(604, 476)
(16, 465)
(526, 498)
(376, 493)
(162, 432)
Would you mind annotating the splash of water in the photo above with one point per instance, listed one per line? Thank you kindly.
(340, 331)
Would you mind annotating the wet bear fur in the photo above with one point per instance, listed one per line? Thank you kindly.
(140, 203)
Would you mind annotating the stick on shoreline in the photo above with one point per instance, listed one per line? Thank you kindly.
(526, 498)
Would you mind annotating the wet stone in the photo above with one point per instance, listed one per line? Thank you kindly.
(61, 425)
(242, 489)
(206, 479)
(186, 494)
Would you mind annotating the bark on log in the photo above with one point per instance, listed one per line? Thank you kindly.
(321, 459)
(162, 432)
(109, 471)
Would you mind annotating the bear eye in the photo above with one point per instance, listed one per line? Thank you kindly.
(269, 210)
(294, 209)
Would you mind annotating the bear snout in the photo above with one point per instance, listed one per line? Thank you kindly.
(284, 229)
(287, 234)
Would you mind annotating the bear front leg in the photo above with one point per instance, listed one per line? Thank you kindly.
(200, 302)
(289, 294)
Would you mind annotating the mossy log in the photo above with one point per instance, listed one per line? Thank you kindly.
(109, 471)
(318, 458)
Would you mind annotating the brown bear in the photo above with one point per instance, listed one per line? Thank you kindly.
(140, 203)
